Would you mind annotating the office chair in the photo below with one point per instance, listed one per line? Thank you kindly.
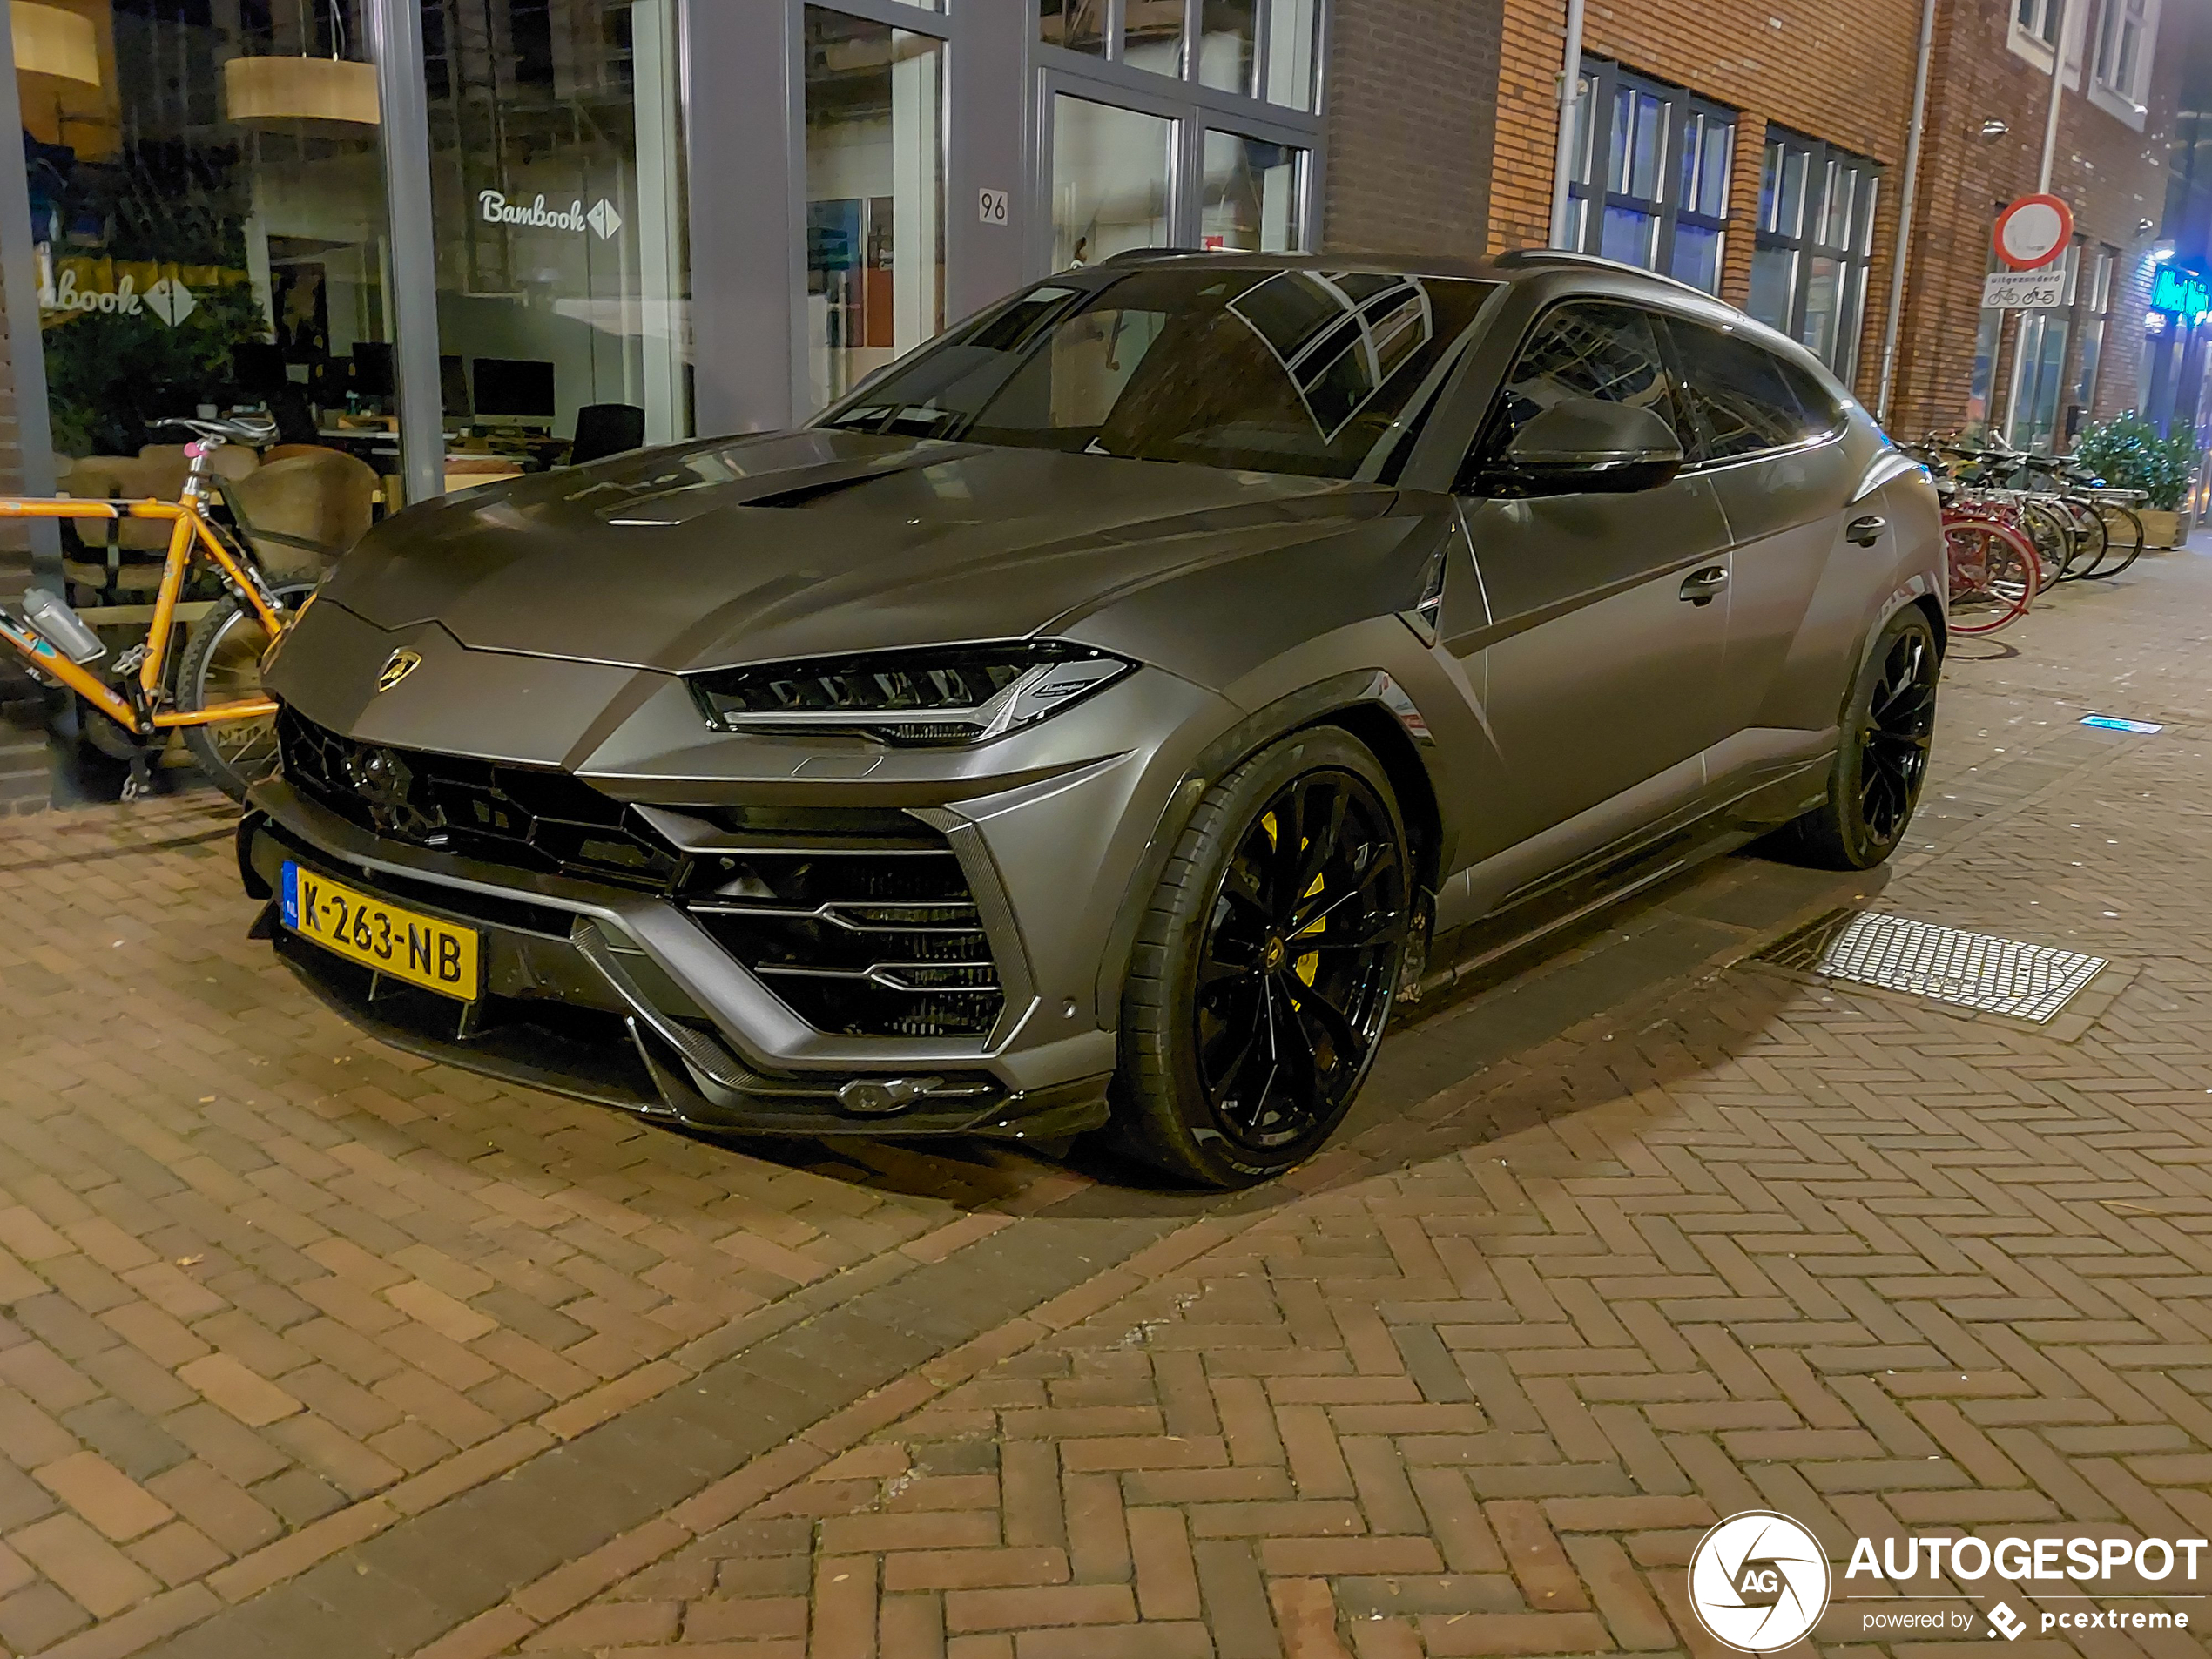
(604, 430)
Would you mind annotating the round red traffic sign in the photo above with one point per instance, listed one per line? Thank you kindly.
(2033, 231)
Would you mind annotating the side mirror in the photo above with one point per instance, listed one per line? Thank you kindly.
(1585, 445)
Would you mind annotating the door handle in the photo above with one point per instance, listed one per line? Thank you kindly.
(1699, 587)
(1865, 532)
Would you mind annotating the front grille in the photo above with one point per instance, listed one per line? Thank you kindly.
(860, 920)
(523, 817)
(874, 942)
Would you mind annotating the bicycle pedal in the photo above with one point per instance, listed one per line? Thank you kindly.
(131, 661)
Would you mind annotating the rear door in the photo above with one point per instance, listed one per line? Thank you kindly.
(1607, 616)
(1768, 440)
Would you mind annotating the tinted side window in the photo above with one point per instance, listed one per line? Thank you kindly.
(1824, 414)
(1739, 395)
(1582, 350)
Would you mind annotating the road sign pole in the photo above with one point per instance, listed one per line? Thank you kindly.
(2058, 88)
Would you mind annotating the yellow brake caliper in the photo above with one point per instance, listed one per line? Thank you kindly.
(1309, 964)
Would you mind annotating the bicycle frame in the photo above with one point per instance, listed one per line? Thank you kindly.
(192, 533)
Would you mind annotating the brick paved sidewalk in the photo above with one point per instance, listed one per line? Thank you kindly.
(312, 1348)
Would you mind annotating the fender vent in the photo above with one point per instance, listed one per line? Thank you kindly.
(869, 941)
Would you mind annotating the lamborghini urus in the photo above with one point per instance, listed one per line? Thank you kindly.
(1102, 716)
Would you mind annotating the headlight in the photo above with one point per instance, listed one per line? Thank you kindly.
(952, 694)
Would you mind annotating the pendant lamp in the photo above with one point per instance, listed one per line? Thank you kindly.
(51, 41)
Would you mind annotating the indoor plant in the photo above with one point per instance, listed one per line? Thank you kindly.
(2127, 453)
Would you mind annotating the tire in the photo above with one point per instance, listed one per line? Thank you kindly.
(2091, 540)
(1218, 987)
(2050, 531)
(1993, 573)
(1882, 762)
(2130, 525)
(221, 663)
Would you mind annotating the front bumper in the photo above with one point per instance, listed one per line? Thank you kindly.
(622, 998)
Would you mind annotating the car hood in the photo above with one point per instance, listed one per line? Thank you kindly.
(816, 543)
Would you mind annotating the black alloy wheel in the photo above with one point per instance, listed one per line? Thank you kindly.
(1882, 761)
(1265, 970)
(1298, 960)
(1896, 735)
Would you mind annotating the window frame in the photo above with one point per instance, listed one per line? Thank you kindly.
(1194, 110)
(1823, 163)
(1112, 63)
(2121, 90)
(1589, 193)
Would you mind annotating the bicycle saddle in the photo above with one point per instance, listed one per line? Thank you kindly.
(254, 430)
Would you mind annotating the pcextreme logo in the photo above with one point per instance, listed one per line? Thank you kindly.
(1759, 1581)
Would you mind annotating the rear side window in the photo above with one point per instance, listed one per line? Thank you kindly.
(1584, 349)
(1743, 400)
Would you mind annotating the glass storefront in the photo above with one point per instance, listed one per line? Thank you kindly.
(2039, 361)
(1254, 195)
(207, 220)
(212, 228)
(1112, 174)
(557, 179)
(876, 254)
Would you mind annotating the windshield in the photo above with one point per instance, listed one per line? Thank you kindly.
(1313, 372)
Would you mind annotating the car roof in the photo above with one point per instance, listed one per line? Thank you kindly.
(1554, 269)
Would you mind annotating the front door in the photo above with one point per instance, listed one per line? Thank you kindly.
(1609, 613)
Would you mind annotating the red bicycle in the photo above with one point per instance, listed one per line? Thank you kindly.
(1995, 570)
(1994, 573)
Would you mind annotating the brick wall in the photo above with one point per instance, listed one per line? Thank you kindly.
(1410, 125)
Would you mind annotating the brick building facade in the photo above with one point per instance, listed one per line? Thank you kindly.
(2112, 174)
(1839, 73)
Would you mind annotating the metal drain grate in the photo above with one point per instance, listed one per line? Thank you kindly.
(1978, 971)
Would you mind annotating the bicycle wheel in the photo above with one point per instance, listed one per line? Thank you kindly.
(2091, 544)
(222, 663)
(2126, 534)
(2051, 533)
(1995, 575)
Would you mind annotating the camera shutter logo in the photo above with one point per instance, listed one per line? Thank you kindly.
(1759, 1581)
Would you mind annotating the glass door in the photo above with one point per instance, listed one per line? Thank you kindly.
(1113, 179)
(557, 192)
(875, 187)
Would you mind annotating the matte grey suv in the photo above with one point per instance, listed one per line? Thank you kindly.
(1105, 714)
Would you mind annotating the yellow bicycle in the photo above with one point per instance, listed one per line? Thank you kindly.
(214, 694)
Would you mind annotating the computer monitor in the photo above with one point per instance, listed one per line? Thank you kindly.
(453, 386)
(258, 368)
(371, 375)
(514, 391)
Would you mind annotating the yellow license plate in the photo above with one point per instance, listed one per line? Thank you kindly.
(364, 928)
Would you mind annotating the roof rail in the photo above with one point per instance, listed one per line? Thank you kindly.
(1146, 255)
(1513, 258)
